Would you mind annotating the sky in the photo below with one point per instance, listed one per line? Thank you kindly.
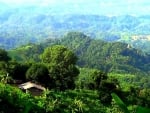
(108, 7)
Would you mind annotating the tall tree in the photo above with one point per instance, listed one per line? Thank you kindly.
(61, 64)
(38, 73)
(18, 70)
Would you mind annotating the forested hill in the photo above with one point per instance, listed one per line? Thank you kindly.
(92, 53)
(35, 24)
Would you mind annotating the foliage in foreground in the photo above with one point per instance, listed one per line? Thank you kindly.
(71, 101)
(12, 100)
(124, 108)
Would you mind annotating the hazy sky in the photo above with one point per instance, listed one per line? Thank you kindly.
(92, 6)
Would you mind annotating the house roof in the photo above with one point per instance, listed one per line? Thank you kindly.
(29, 85)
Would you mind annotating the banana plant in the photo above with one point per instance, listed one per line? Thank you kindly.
(124, 108)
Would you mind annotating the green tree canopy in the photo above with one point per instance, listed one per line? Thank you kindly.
(58, 55)
(18, 70)
(38, 73)
(61, 64)
(4, 56)
(90, 78)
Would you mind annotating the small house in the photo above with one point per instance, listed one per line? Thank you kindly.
(34, 89)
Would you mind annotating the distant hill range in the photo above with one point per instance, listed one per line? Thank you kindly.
(32, 24)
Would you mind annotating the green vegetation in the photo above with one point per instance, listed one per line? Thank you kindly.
(105, 56)
(108, 57)
(71, 101)
(61, 66)
(4, 56)
(38, 73)
(22, 27)
(124, 107)
(80, 74)
(90, 79)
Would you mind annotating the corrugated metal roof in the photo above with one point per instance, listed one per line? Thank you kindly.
(29, 85)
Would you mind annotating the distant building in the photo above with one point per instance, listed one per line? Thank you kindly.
(34, 89)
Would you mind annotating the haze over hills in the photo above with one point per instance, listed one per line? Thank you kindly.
(34, 21)
(98, 7)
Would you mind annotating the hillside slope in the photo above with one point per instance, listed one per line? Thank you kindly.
(92, 53)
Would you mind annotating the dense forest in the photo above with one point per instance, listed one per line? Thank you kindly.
(80, 74)
(91, 53)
